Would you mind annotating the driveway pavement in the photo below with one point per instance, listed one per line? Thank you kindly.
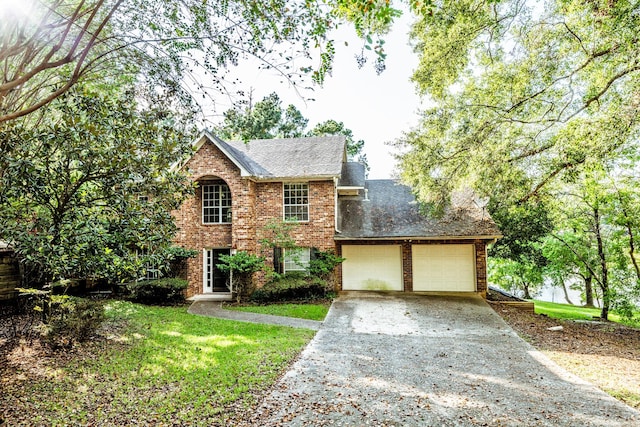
(408, 360)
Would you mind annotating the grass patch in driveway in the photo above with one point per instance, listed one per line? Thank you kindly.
(166, 367)
(300, 311)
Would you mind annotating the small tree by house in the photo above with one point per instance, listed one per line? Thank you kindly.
(241, 267)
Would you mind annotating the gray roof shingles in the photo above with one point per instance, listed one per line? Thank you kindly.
(290, 158)
(391, 211)
(352, 175)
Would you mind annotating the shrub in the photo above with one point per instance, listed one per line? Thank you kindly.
(324, 263)
(241, 265)
(292, 287)
(160, 291)
(61, 320)
(72, 320)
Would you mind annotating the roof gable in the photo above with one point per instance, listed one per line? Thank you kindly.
(312, 157)
(284, 158)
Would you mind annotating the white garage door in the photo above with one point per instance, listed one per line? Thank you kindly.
(372, 268)
(449, 268)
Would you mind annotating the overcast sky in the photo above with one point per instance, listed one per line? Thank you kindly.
(377, 108)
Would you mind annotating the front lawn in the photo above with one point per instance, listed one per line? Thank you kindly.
(575, 312)
(165, 367)
(301, 311)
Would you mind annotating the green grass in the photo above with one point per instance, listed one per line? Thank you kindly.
(170, 368)
(301, 311)
(574, 312)
(565, 311)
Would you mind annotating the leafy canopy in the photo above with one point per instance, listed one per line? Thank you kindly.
(90, 185)
(267, 119)
(526, 94)
(177, 49)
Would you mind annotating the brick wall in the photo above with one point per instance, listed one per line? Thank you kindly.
(254, 205)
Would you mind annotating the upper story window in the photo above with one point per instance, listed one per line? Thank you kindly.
(296, 202)
(216, 203)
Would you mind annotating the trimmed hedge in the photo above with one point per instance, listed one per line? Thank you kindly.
(292, 287)
(159, 291)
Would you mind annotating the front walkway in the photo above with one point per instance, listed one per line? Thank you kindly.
(214, 309)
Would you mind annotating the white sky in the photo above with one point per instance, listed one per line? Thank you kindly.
(377, 108)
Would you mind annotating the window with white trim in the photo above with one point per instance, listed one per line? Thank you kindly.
(296, 202)
(296, 259)
(151, 270)
(216, 203)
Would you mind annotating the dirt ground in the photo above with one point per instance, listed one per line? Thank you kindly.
(604, 353)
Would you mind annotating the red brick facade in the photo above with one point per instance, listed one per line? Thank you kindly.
(254, 205)
(257, 203)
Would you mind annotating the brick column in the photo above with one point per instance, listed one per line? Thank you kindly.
(481, 267)
(407, 267)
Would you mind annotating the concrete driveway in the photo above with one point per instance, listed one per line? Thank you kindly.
(409, 360)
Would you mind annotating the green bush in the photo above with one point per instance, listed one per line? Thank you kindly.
(241, 265)
(324, 264)
(71, 320)
(160, 291)
(292, 287)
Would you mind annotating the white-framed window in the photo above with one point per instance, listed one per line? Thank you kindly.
(296, 259)
(151, 269)
(296, 201)
(216, 203)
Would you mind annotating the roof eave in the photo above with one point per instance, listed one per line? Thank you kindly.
(217, 142)
(350, 187)
(295, 178)
(476, 237)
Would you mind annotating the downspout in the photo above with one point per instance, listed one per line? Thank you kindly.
(335, 204)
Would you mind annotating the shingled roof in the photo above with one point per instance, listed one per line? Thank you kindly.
(389, 209)
(291, 158)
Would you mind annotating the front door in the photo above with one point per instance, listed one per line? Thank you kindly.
(214, 280)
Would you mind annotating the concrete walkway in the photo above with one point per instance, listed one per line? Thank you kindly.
(408, 360)
(214, 309)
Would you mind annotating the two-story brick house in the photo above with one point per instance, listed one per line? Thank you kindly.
(242, 187)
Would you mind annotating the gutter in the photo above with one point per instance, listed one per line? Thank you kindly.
(493, 238)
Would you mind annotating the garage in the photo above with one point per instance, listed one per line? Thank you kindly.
(372, 268)
(443, 268)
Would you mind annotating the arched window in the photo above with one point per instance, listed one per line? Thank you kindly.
(216, 203)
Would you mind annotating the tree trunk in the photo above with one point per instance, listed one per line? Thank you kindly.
(588, 290)
(525, 286)
(566, 293)
(604, 283)
(629, 227)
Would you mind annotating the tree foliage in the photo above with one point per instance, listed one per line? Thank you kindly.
(526, 94)
(48, 46)
(90, 185)
(535, 105)
(241, 265)
(268, 119)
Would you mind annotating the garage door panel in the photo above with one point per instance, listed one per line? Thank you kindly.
(372, 268)
(443, 268)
